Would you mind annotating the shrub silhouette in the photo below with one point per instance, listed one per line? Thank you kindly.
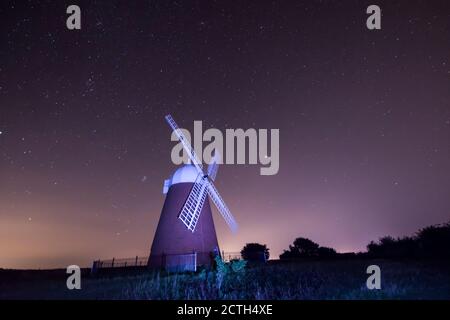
(434, 241)
(430, 242)
(306, 248)
(255, 252)
(325, 252)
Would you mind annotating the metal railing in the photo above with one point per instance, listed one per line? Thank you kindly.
(251, 256)
(120, 263)
(228, 256)
(186, 262)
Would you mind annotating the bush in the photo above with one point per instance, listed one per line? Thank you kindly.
(255, 252)
(306, 248)
(430, 242)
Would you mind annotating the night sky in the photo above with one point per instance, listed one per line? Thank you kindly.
(364, 119)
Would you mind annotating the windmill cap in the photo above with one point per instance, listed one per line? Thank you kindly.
(185, 174)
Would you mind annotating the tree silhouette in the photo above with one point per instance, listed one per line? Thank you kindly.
(301, 248)
(434, 241)
(305, 247)
(255, 252)
(325, 252)
(430, 242)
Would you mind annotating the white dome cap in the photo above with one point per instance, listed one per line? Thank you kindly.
(187, 173)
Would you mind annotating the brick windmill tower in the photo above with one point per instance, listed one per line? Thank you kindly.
(186, 236)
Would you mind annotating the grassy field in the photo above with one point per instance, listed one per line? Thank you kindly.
(301, 280)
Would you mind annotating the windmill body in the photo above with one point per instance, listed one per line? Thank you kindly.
(172, 238)
(185, 234)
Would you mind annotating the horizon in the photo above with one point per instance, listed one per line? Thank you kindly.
(272, 256)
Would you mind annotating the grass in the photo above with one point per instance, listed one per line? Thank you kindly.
(287, 281)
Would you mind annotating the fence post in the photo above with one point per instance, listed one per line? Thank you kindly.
(136, 261)
(195, 261)
(112, 263)
(94, 267)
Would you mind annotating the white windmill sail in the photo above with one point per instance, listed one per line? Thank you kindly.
(221, 206)
(185, 142)
(203, 186)
(214, 166)
(194, 203)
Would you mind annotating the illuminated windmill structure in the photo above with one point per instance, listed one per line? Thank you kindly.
(186, 236)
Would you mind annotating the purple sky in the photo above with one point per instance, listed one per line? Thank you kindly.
(364, 119)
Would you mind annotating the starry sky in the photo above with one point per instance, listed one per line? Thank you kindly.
(364, 120)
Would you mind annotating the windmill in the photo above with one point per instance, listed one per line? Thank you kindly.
(186, 228)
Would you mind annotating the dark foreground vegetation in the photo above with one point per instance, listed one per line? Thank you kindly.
(333, 279)
(416, 267)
